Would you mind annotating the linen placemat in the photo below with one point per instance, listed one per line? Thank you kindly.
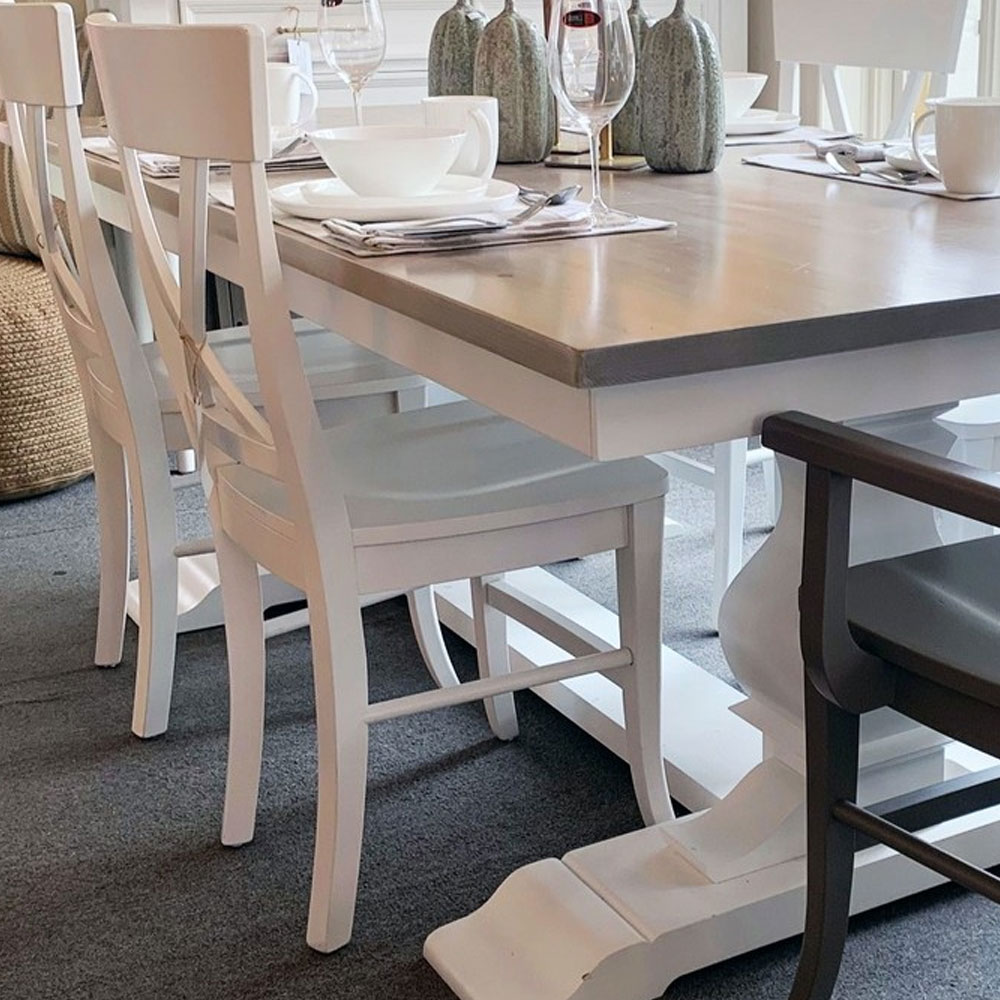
(808, 163)
(302, 157)
(803, 133)
(546, 228)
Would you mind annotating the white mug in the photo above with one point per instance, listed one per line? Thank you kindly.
(968, 143)
(479, 118)
(284, 96)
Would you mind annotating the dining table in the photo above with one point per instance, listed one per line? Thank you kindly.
(775, 291)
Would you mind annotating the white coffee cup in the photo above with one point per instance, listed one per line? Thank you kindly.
(284, 97)
(967, 139)
(479, 118)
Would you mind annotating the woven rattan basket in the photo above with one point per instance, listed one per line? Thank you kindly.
(44, 442)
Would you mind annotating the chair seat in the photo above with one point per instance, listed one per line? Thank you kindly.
(337, 368)
(935, 613)
(446, 471)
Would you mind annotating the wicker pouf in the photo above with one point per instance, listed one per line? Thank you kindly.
(44, 442)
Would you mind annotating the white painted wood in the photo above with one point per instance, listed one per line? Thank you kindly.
(493, 657)
(639, 916)
(893, 34)
(730, 499)
(395, 502)
(698, 709)
(247, 677)
(639, 570)
(129, 406)
(919, 36)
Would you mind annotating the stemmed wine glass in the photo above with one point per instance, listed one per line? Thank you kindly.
(592, 69)
(352, 37)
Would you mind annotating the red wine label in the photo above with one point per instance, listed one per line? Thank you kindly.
(581, 19)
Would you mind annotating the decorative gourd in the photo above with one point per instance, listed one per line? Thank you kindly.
(452, 58)
(511, 66)
(683, 105)
(626, 131)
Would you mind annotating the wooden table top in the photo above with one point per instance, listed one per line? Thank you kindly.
(764, 266)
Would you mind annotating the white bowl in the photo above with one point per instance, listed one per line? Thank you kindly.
(381, 161)
(742, 89)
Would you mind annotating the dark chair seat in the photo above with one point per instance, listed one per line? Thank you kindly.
(919, 634)
(935, 613)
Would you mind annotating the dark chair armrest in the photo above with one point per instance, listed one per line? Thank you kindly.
(897, 468)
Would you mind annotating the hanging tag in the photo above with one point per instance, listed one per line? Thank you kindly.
(300, 56)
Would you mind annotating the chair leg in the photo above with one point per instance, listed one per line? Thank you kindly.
(640, 580)
(772, 487)
(493, 656)
(113, 516)
(156, 539)
(341, 681)
(427, 629)
(730, 481)
(832, 776)
(244, 614)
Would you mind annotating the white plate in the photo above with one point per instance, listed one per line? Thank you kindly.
(331, 198)
(902, 158)
(760, 121)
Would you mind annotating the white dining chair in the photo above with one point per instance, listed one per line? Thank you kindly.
(918, 37)
(397, 502)
(394, 502)
(133, 415)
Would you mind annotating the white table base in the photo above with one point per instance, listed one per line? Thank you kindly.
(622, 919)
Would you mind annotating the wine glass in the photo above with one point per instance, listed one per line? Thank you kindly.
(352, 37)
(592, 69)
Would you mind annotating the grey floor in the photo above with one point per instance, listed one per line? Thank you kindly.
(112, 880)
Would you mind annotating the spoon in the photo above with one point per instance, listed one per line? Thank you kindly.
(559, 197)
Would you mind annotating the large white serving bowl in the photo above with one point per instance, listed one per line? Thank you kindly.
(379, 161)
(742, 89)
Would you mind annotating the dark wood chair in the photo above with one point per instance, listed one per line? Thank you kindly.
(918, 633)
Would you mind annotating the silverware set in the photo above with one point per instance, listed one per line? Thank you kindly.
(449, 227)
(844, 163)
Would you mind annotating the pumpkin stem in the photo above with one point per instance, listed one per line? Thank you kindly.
(679, 10)
(508, 6)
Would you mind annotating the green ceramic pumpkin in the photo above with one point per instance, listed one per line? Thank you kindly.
(511, 66)
(683, 105)
(626, 131)
(452, 58)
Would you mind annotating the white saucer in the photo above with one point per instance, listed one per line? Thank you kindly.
(332, 198)
(760, 121)
(902, 158)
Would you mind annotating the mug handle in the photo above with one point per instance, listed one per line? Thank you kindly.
(487, 144)
(312, 97)
(918, 126)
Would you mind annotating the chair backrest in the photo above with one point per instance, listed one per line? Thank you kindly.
(41, 89)
(916, 36)
(199, 92)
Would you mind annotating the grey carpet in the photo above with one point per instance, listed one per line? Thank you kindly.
(112, 880)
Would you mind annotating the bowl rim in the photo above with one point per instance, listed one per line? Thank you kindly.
(383, 133)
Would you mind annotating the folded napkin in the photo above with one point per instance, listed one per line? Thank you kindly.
(301, 157)
(474, 230)
(859, 151)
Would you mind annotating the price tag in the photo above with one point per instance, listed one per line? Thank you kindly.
(300, 56)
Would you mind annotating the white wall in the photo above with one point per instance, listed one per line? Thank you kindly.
(402, 78)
